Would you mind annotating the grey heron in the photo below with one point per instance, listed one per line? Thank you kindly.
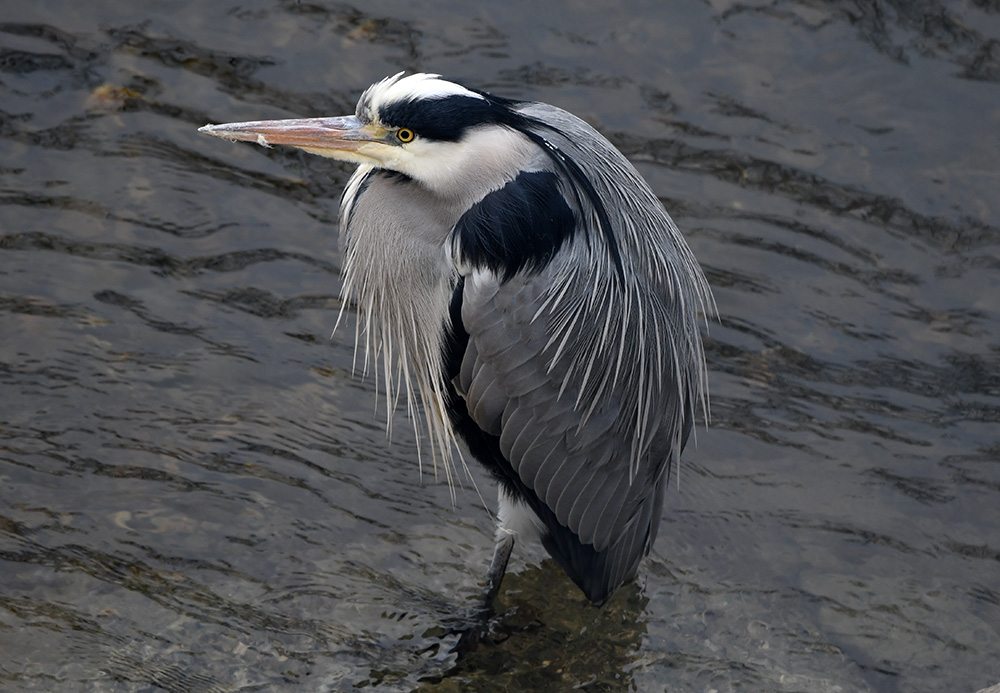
(517, 277)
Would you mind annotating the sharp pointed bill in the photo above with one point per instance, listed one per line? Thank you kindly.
(516, 277)
(345, 138)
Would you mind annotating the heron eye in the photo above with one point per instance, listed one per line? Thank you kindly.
(405, 135)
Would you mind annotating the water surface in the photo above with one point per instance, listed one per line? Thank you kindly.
(196, 494)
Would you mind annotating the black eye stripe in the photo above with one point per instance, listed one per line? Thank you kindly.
(445, 118)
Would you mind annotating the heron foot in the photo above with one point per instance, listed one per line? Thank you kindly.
(478, 627)
(480, 624)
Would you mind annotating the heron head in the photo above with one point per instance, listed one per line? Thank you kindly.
(451, 139)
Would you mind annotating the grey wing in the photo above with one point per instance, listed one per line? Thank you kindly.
(561, 388)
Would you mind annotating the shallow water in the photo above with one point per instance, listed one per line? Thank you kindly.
(196, 494)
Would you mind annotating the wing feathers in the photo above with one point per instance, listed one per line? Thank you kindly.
(568, 431)
(588, 355)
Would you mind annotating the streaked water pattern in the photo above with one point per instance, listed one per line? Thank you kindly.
(197, 495)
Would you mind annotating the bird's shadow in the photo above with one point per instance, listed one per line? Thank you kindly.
(543, 628)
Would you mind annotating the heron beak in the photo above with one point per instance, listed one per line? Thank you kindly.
(345, 138)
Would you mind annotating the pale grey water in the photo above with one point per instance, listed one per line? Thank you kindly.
(196, 495)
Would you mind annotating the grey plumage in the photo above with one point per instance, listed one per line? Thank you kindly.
(549, 321)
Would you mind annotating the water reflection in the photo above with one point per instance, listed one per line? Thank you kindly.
(548, 637)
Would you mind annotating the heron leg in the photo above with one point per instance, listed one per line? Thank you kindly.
(498, 566)
(478, 626)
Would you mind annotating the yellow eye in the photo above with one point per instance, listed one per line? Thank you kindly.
(405, 135)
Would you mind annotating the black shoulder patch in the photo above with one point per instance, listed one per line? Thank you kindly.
(518, 227)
